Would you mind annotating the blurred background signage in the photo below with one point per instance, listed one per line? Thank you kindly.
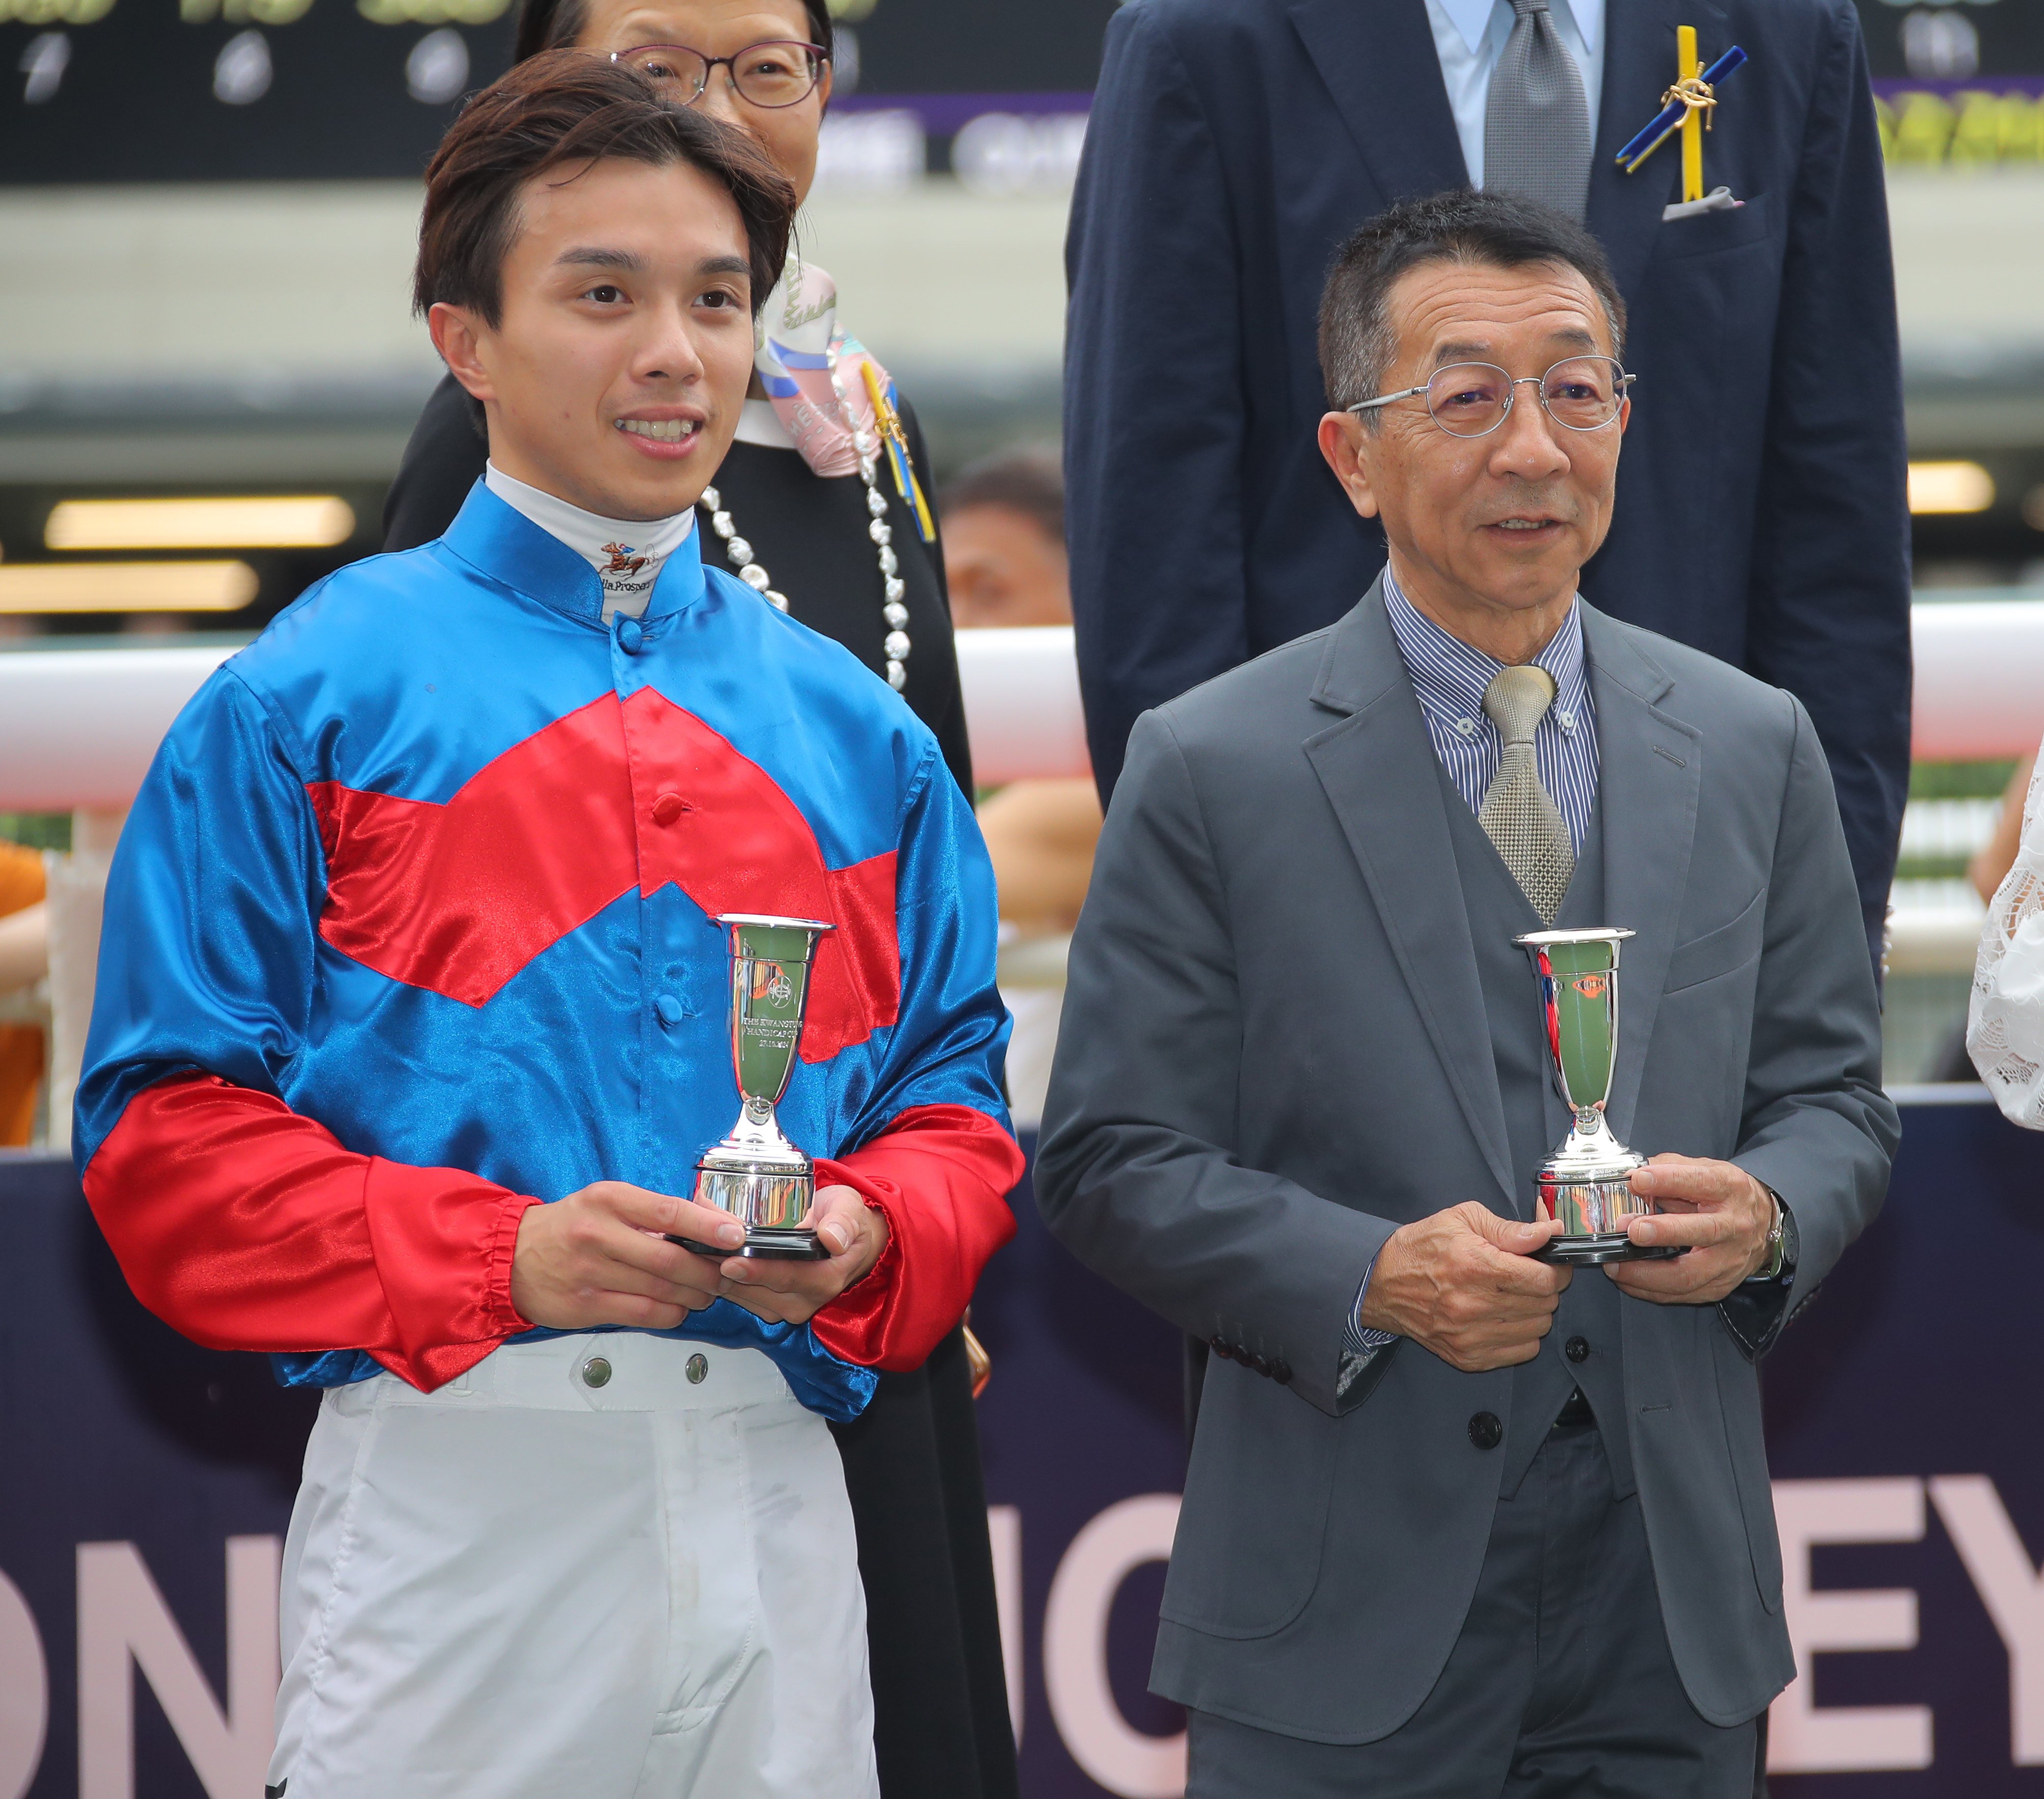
(151, 91)
(1959, 83)
(1953, 40)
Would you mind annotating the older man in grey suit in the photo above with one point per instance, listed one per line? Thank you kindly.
(1455, 1524)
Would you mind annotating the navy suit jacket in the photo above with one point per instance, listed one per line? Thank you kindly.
(1760, 512)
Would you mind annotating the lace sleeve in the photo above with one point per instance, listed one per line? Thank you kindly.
(2005, 1023)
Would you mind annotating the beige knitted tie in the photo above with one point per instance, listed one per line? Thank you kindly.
(1518, 815)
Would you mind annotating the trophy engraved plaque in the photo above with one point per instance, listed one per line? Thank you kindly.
(1586, 1184)
(757, 1175)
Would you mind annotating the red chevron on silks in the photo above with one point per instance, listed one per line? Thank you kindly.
(414, 926)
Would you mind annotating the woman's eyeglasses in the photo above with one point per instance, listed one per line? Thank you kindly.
(772, 75)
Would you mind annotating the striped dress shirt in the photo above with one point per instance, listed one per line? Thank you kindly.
(1449, 679)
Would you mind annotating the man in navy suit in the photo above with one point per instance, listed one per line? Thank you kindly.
(1761, 515)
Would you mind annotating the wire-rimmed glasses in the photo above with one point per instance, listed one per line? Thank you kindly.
(1473, 399)
(780, 72)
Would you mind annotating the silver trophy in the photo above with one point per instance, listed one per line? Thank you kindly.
(755, 1173)
(1586, 1184)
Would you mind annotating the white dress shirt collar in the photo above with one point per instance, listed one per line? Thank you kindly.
(1473, 19)
(1470, 36)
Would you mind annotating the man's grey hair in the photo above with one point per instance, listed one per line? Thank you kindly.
(1358, 338)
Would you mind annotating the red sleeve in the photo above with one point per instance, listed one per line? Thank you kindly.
(941, 1175)
(246, 1226)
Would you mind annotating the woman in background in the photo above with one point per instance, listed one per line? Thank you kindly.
(820, 507)
(2005, 1023)
(1986, 872)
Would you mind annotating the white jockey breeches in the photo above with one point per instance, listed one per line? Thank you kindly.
(574, 1573)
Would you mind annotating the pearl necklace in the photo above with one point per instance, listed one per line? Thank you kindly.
(892, 611)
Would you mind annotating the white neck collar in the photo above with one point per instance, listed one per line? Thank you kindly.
(627, 554)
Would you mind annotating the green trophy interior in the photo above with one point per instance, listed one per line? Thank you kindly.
(1583, 1024)
(771, 974)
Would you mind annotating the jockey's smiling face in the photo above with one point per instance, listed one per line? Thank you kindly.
(623, 346)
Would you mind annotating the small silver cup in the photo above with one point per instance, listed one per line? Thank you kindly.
(755, 1173)
(1586, 1184)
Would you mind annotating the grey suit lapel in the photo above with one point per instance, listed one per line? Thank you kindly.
(1624, 210)
(1381, 775)
(1378, 61)
(1649, 768)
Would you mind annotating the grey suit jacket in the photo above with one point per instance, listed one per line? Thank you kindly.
(1275, 1052)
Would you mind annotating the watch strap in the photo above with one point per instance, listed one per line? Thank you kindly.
(1777, 1242)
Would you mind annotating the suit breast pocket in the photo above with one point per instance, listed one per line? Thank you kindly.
(1719, 951)
(1703, 233)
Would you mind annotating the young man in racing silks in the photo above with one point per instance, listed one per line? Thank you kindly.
(412, 931)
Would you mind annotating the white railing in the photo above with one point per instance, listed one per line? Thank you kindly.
(78, 726)
(1980, 679)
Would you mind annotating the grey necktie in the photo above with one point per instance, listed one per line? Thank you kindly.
(1536, 125)
(1518, 815)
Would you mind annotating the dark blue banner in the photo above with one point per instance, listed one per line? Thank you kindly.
(148, 1483)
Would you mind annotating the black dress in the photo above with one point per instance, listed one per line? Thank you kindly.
(912, 1460)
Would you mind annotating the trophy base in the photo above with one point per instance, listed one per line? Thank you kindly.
(765, 1194)
(764, 1244)
(1590, 1252)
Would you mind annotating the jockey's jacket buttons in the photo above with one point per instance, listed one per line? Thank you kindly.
(667, 808)
(630, 636)
(698, 1367)
(596, 1372)
(670, 1010)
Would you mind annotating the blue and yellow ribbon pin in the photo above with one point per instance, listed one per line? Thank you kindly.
(887, 415)
(1685, 107)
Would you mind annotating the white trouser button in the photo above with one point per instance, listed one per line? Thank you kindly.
(595, 1371)
(697, 1370)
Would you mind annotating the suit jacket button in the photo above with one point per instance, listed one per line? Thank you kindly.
(1219, 1346)
(1281, 1372)
(1261, 1365)
(1577, 1349)
(1486, 1431)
